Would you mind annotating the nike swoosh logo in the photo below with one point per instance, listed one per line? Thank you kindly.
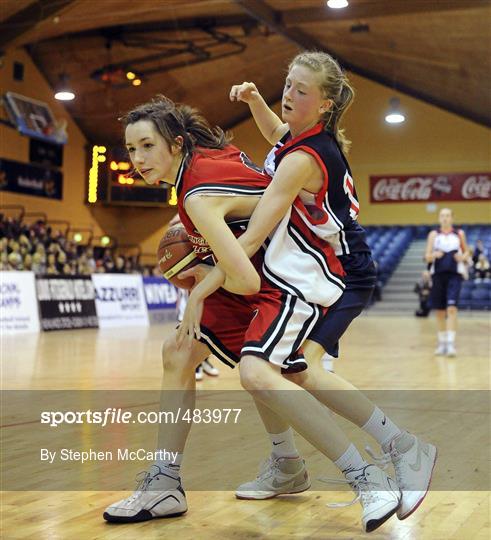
(277, 443)
(416, 466)
(277, 484)
(384, 420)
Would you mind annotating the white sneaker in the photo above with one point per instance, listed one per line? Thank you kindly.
(413, 461)
(153, 499)
(199, 373)
(378, 494)
(210, 369)
(441, 350)
(451, 350)
(277, 476)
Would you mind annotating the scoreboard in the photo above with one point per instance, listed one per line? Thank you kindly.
(112, 181)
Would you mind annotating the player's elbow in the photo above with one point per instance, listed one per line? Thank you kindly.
(251, 285)
(246, 285)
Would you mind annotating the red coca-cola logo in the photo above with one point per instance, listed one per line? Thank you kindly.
(431, 187)
(395, 189)
(477, 187)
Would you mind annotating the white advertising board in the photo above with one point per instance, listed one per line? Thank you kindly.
(120, 300)
(18, 304)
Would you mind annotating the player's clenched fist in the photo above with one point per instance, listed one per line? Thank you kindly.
(245, 92)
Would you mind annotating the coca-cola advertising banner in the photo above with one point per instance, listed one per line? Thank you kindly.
(430, 187)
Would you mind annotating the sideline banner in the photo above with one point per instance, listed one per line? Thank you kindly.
(18, 306)
(430, 188)
(120, 300)
(161, 299)
(66, 302)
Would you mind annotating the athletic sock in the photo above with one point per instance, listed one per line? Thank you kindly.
(283, 444)
(328, 362)
(381, 428)
(450, 337)
(442, 337)
(350, 460)
(170, 467)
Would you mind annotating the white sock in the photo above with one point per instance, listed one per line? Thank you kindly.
(328, 362)
(450, 337)
(381, 428)
(350, 460)
(442, 337)
(170, 466)
(283, 444)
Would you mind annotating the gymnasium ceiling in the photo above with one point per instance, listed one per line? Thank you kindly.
(193, 50)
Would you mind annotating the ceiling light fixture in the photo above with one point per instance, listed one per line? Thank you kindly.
(63, 91)
(337, 4)
(395, 115)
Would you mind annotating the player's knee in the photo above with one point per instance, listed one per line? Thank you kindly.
(452, 310)
(253, 376)
(173, 358)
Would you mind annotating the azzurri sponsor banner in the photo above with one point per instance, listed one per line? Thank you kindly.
(18, 307)
(66, 302)
(161, 299)
(398, 188)
(120, 300)
(30, 179)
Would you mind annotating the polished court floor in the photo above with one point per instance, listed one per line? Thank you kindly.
(379, 354)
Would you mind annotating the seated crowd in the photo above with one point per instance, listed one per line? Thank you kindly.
(38, 248)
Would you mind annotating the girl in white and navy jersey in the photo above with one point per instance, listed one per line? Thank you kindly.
(446, 252)
(309, 144)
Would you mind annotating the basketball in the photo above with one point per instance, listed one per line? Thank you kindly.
(175, 254)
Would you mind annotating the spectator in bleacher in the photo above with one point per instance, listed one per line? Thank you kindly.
(119, 265)
(38, 263)
(423, 289)
(89, 253)
(447, 253)
(27, 262)
(482, 269)
(478, 250)
(51, 268)
(14, 261)
(61, 261)
(4, 261)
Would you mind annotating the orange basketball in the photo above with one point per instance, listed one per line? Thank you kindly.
(175, 254)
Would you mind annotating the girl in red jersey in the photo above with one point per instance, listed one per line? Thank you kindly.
(261, 321)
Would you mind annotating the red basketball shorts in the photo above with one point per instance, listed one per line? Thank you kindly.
(271, 324)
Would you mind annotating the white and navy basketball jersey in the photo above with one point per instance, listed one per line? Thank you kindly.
(332, 213)
(297, 260)
(450, 243)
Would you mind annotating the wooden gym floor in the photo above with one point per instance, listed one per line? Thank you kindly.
(378, 353)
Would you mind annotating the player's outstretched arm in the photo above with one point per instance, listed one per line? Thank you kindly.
(269, 123)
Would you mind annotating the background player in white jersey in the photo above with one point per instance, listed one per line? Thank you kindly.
(447, 251)
(311, 143)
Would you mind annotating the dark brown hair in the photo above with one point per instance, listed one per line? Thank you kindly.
(173, 120)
